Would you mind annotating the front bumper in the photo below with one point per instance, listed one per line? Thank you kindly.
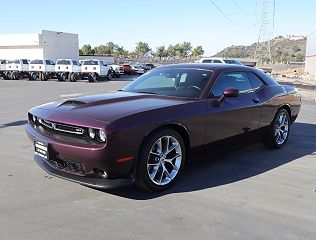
(89, 156)
(86, 181)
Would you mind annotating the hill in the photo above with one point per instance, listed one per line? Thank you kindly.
(283, 49)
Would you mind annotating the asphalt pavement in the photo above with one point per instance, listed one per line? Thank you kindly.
(247, 193)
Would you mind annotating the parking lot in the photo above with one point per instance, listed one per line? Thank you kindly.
(247, 193)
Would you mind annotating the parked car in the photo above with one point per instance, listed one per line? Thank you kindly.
(146, 132)
(127, 68)
(68, 69)
(118, 70)
(147, 66)
(137, 69)
(16, 69)
(42, 69)
(219, 60)
(95, 69)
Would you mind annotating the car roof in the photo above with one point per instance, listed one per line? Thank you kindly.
(209, 66)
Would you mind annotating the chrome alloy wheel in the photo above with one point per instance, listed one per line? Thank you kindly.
(281, 129)
(164, 160)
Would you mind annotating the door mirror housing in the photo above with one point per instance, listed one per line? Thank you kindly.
(231, 92)
(228, 92)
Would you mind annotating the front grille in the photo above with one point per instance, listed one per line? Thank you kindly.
(58, 127)
(67, 166)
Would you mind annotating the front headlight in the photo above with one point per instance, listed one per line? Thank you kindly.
(91, 133)
(102, 136)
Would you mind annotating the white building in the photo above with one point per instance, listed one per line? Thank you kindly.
(310, 58)
(44, 45)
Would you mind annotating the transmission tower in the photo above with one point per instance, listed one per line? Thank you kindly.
(265, 15)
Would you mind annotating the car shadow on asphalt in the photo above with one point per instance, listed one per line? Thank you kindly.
(233, 166)
(13, 124)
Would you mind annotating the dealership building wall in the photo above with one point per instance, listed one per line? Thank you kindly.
(310, 59)
(44, 45)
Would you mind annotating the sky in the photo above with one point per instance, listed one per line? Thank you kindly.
(158, 22)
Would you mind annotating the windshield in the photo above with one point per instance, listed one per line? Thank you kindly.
(36, 62)
(232, 62)
(90, 62)
(180, 82)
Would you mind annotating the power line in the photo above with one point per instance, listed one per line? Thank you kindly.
(242, 10)
(221, 11)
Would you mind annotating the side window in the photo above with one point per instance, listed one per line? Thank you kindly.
(236, 80)
(207, 61)
(255, 81)
(216, 61)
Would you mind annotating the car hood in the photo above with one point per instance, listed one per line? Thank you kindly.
(112, 106)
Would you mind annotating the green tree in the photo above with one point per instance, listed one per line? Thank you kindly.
(161, 51)
(142, 48)
(171, 51)
(198, 51)
(87, 50)
(184, 49)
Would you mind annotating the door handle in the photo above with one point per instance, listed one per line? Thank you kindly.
(255, 100)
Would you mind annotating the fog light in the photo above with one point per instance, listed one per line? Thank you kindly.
(91, 133)
(100, 172)
(102, 136)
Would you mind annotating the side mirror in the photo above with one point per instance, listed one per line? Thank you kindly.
(231, 92)
(228, 92)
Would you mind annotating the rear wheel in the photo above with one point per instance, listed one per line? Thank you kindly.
(74, 77)
(33, 76)
(64, 77)
(161, 160)
(70, 77)
(44, 77)
(14, 76)
(93, 77)
(279, 130)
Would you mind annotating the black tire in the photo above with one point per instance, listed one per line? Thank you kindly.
(109, 76)
(70, 77)
(14, 76)
(41, 76)
(93, 77)
(6, 76)
(274, 138)
(64, 76)
(74, 77)
(33, 76)
(44, 77)
(143, 180)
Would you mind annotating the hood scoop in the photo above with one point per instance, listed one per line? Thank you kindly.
(71, 102)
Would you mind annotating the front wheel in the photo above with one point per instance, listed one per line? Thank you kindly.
(161, 161)
(279, 130)
(109, 76)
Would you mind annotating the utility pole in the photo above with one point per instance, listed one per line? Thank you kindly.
(265, 15)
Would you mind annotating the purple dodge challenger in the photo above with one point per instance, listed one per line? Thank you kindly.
(148, 131)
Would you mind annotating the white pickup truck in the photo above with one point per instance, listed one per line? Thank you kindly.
(96, 69)
(16, 69)
(2, 67)
(42, 69)
(67, 69)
